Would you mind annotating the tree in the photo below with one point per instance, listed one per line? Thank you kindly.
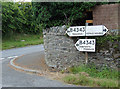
(59, 13)
(17, 18)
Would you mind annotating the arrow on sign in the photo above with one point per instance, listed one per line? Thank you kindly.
(98, 30)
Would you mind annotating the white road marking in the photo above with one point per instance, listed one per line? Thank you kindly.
(2, 59)
(15, 56)
(10, 57)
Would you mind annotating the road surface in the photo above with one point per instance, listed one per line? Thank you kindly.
(13, 78)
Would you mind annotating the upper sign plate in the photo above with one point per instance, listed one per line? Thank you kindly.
(98, 30)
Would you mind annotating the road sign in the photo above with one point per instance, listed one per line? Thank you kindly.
(97, 30)
(76, 31)
(86, 45)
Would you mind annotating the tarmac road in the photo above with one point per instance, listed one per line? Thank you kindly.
(13, 78)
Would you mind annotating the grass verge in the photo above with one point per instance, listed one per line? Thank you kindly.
(94, 71)
(21, 40)
(92, 76)
(89, 81)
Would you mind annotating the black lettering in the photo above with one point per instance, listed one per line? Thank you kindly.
(71, 29)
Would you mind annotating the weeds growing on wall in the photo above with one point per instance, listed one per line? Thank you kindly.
(105, 41)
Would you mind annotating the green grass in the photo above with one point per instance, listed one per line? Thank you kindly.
(93, 71)
(16, 41)
(89, 81)
(90, 75)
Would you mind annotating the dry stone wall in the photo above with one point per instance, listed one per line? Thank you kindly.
(60, 51)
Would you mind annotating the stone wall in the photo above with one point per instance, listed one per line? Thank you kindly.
(61, 53)
(108, 14)
(108, 56)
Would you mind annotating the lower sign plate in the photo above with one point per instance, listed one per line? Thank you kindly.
(87, 45)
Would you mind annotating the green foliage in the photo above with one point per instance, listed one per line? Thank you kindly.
(59, 13)
(18, 18)
(93, 71)
(104, 39)
(102, 42)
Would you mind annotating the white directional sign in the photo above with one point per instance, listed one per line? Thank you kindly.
(86, 45)
(98, 30)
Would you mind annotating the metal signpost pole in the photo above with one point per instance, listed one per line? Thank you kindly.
(86, 54)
